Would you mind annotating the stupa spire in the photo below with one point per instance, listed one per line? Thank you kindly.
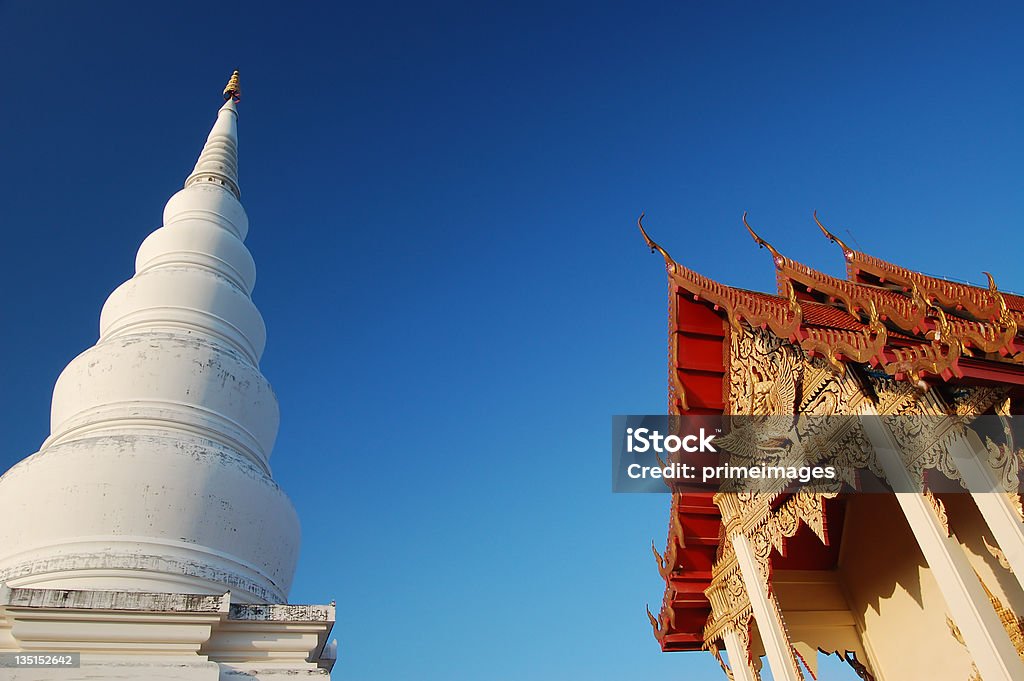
(166, 424)
(218, 162)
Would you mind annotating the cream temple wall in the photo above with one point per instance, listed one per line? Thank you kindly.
(155, 478)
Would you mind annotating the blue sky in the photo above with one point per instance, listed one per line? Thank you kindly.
(442, 204)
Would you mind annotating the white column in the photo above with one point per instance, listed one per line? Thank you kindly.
(969, 607)
(739, 657)
(773, 636)
(971, 459)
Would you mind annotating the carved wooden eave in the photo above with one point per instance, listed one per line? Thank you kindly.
(840, 337)
(976, 301)
(676, 541)
(992, 327)
(836, 332)
(759, 310)
(983, 304)
(693, 537)
(990, 338)
(908, 312)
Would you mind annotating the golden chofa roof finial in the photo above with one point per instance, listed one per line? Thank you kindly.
(233, 89)
(761, 243)
(847, 251)
(670, 264)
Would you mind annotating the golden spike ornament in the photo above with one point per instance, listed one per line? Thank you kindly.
(233, 90)
(760, 242)
(832, 237)
(669, 262)
(991, 282)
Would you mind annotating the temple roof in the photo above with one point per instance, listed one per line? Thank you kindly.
(981, 303)
(911, 325)
(882, 318)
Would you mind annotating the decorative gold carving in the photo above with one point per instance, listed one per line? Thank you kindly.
(751, 515)
(1005, 463)
(730, 603)
(954, 631)
(822, 393)
(1015, 503)
(656, 625)
(835, 345)
(995, 336)
(1003, 407)
(663, 565)
(981, 303)
(730, 610)
(676, 541)
(713, 647)
(940, 356)
(766, 379)
(908, 313)
(1013, 625)
(946, 337)
(997, 553)
(758, 310)
(763, 374)
(862, 347)
(233, 89)
(976, 401)
(993, 328)
(911, 313)
(825, 394)
(940, 510)
(665, 620)
(923, 442)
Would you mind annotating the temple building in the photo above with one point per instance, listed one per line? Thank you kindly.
(147, 534)
(922, 585)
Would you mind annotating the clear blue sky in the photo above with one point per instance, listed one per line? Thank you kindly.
(442, 202)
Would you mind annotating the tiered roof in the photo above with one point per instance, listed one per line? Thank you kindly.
(912, 325)
(882, 317)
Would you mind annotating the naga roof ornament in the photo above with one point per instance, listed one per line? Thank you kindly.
(909, 324)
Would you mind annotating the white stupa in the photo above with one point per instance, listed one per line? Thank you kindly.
(155, 477)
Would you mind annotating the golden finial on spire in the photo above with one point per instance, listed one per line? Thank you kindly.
(233, 89)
